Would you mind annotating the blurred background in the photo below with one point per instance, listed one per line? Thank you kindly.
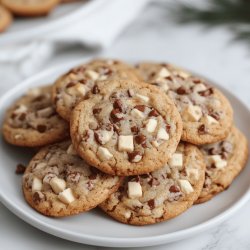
(211, 38)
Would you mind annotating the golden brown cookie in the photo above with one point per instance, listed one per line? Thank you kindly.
(224, 161)
(75, 85)
(58, 183)
(162, 194)
(5, 18)
(32, 120)
(206, 113)
(30, 7)
(126, 127)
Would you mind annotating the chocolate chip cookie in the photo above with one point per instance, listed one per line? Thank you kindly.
(126, 127)
(162, 194)
(5, 18)
(30, 7)
(32, 120)
(224, 161)
(57, 182)
(206, 113)
(75, 85)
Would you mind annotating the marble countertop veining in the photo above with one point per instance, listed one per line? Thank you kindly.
(154, 36)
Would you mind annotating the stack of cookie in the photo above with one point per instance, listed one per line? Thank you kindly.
(24, 8)
(145, 144)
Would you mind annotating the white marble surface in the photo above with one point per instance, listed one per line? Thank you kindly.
(154, 37)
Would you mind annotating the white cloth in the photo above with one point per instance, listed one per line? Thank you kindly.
(97, 30)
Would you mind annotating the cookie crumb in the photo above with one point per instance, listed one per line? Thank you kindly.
(20, 168)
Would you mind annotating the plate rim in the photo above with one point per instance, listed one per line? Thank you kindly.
(115, 241)
(20, 36)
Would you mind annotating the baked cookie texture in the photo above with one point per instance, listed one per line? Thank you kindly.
(162, 194)
(224, 161)
(126, 127)
(57, 182)
(206, 113)
(5, 18)
(75, 85)
(30, 7)
(32, 120)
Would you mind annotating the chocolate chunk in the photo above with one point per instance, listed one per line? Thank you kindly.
(73, 177)
(153, 112)
(196, 81)
(38, 197)
(130, 93)
(206, 92)
(97, 138)
(134, 156)
(181, 91)
(95, 90)
(20, 168)
(169, 78)
(140, 107)
(116, 115)
(215, 115)
(97, 111)
(214, 151)
(134, 129)
(22, 116)
(174, 189)
(168, 127)
(151, 203)
(71, 84)
(38, 98)
(83, 81)
(140, 139)
(118, 105)
(41, 128)
(202, 129)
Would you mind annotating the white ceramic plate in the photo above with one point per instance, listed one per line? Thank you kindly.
(95, 228)
(23, 29)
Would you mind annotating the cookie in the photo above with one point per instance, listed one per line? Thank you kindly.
(126, 127)
(30, 7)
(32, 120)
(5, 18)
(58, 183)
(224, 161)
(206, 113)
(162, 194)
(75, 85)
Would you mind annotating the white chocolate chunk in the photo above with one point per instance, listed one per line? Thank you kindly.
(183, 74)
(103, 77)
(151, 125)
(199, 87)
(37, 184)
(134, 189)
(192, 113)
(142, 97)
(66, 196)
(104, 154)
(217, 161)
(126, 143)
(211, 120)
(176, 160)
(21, 109)
(156, 143)
(127, 214)
(92, 74)
(71, 150)
(192, 173)
(186, 187)
(45, 112)
(57, 184)
(79, 90)
(105, 136)
(137, 113)
(163, 73)
(162, 134)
